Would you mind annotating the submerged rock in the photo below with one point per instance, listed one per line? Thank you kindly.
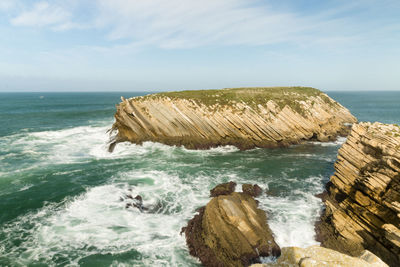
(363, 196)
(230, 231)
(316, 256)
(135, 202)
(243, 117)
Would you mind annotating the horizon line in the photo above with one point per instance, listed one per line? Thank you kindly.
(160, 91)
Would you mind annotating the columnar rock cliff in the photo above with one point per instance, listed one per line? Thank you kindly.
(244, 117)
(363, 200)
(230, 230)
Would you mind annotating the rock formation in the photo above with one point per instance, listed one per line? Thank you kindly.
(230, 231)
(316, 256)
(252, 190)
(223, 189)
(363, 201)
(244, 117)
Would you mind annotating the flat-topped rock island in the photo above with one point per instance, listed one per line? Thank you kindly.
(243, 117)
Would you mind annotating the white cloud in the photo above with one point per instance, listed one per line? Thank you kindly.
(42, 14)
(190, 23)
(7, 4)
(176, 24)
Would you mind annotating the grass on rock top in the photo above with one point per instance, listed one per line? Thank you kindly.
(252, 96)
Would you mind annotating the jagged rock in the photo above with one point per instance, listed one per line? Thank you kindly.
(252, 190)
(322, 195)
(244, 117)
(230, 231)
(316, 256)
(223, 189)
(363, 202)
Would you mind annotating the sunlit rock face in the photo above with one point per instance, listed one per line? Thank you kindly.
(316, 256)
(230, 231)
(363, 200)
(244, 117)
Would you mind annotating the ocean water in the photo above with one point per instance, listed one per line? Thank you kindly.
(63, 197)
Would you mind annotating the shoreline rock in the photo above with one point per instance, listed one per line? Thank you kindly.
(230, 231)
(243, 117)
(362, 204)
(316, 256)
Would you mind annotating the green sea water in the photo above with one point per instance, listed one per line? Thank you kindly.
(63, 196)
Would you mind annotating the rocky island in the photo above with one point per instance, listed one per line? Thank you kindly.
(243, 117)
(363, 196)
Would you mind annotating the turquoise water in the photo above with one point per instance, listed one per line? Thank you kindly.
(63, 196)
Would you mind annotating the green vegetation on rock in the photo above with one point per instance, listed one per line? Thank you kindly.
(251, 96)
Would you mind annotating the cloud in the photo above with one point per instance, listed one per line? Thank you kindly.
(192, 23)
(42, 14)
(177, 24)
(182, 24)
(7, 4)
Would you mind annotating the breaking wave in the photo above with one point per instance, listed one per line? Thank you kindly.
(173, 183)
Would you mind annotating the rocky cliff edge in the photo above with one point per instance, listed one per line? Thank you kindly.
(363, 196)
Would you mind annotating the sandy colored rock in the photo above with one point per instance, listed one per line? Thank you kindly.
(230, 231)
(362, 205)
(244, 117)
(316, 256)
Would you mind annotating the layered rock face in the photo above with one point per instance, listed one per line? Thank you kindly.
(316, 256)
(363, 200)
(230, 230)
(244, 117)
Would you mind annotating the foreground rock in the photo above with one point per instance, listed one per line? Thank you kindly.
(230, 231)
(244, 117)
(316, 256)
(363, 200)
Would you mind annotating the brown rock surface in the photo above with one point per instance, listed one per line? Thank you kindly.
(223, 189)
(230, 231)
(316, 256)
(244, 117)
(363, 203)
(252, 190)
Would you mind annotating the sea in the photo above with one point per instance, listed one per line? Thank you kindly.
(63, 196)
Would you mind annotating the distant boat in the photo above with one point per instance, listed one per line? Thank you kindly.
(41, 97)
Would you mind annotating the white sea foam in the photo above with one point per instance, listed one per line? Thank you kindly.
(214, 150)
(82, 144)
(98, 222)
(78, 144)
(292, 218)
(340, 140)
(26, 187)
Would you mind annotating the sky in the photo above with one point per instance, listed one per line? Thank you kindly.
(158, 45)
